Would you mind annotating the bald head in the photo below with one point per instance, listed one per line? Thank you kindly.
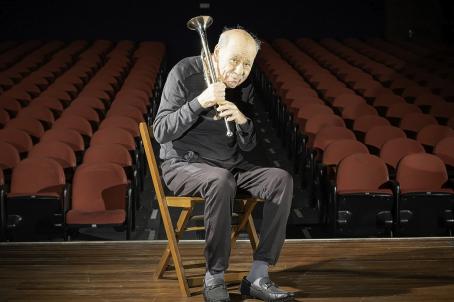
(238, 36)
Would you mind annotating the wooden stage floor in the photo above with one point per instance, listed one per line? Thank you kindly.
(319, 270)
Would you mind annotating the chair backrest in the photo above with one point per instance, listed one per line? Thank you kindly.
(317, 122)
(20, 139)
(155, 175)
(60, 152)
(415, 121)
(339, 149)
(126, 110)
(445, 150)
(9, 156)
(328, 134)
(361, 172)
(378, 135)
(421, 172)
(123, 122)
(366, 122)
(395, 149)
(113, 136)
(357, 110)
(68, 136)
(37, 175)
(398, 110)
(431, 134)
(4, 117)
(442, 109)
(99, 187)
(74, 122)
(30, 125)
(111, 153)
(39, 112)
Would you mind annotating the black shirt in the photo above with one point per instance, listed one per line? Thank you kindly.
(186, 130)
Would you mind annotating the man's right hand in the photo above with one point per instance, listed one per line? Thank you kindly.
(212, 95)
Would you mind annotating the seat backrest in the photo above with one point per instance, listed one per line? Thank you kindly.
(339, 149)
(366, 122)
(395, 149)
(108, 153)
(123, 122)
(361, 172)
(357, 110)
(82, 110)
(431, 134)
(9, 156)
(37, 175)
(18, 138)
(68, 136)
(126, 110)
(317, 122)
(442, 109)
(113, 136)
(331, 133)
(58, 151)
(30, 125)
(4, 117)
(415, 121)
(445, 150)
(75, 122)
(378, 135)
(398, 110)
(421, 172)
(99, 187)
(388, 99)
(146, 135)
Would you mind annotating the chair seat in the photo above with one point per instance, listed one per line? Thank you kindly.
(183, 201)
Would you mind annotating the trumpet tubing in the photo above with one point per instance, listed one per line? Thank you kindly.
(200, 24)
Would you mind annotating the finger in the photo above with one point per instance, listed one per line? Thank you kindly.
(230, 119)
(228, 112)
(227, 106)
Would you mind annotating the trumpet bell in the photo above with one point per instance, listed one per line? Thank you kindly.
(200, 21)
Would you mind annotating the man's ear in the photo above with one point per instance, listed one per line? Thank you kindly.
(216, 52)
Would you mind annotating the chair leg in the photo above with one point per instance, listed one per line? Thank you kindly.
(165, 258)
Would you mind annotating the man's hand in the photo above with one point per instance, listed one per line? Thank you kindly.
(212, 95)
(231, 112)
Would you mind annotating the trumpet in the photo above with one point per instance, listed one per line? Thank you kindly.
(200, 24)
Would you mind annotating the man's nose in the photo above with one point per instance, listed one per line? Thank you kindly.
(239, 69)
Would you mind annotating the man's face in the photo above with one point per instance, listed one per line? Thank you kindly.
(234, 61)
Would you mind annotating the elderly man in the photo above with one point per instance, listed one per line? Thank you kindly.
(199, 159)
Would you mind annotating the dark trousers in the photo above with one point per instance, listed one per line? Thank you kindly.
(218, 187)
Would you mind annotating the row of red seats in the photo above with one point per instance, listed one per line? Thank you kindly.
(321, 94)
(87, 116)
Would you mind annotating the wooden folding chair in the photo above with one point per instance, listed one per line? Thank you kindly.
(187, 203)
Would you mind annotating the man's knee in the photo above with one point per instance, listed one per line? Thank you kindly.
(223, 182)
(283, 178)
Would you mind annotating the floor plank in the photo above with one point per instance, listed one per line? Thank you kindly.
(318, 270)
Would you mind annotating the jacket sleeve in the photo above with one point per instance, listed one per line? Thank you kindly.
(246, 136)
(175, 114)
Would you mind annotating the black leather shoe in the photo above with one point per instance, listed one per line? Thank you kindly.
(217, 292)
(266, 291)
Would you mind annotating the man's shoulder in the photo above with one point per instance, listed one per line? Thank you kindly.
(187, 67)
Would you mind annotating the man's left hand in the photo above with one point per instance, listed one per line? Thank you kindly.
(231, 112)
